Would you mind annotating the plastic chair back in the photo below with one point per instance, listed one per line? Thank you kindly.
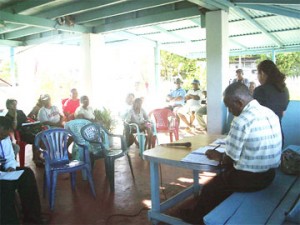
(165, 120)
(97, 135)
(55, 143)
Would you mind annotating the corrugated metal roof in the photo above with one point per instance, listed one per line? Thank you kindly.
(176, 25)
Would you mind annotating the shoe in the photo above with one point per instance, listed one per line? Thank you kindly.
(191, 216)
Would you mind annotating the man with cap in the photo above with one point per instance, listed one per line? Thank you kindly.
(240, 78)
(176, 97)
(193, 100)
(49, 114)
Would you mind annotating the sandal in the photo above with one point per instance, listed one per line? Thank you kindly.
(39, 162)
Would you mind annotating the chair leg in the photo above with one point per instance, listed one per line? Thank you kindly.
(22, 153)
(53, 190)
(73, 180)
(91, 181)
(110, 172)
(130, 165)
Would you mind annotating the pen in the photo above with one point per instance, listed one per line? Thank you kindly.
(215, 148)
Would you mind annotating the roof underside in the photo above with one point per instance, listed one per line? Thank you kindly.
(255, 26)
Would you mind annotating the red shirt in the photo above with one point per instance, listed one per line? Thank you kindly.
(70, 106)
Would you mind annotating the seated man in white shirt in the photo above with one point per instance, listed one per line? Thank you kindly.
(193, 100)
(84, 111)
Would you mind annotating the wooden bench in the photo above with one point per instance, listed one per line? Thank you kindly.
(267, 206)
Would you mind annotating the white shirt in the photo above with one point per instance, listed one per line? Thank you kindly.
(87, 113)
(7, 152)
(254, 139)
(50, 115)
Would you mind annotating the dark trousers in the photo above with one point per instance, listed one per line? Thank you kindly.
(29, 196)
(227, 182)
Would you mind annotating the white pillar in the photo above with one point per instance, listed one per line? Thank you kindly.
(157, 66)
(217, 54)
(93, 68)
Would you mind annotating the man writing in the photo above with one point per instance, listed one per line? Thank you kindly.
(26, 185)
(253, 150)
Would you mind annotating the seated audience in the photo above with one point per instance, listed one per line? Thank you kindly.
(26, 186)
(176, 97)
(84, 111)
(27, 133)
(253, 150)
(193, 100)
(49, 114)
(201, 112)
(127, 106)
(35, 110)
(138, 115)
(71, 104)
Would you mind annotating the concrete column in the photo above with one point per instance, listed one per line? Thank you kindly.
(93, 68)
(157, 66)
(217, 50)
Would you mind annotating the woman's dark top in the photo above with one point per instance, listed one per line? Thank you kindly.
(270, 96)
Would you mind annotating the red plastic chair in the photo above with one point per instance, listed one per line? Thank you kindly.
(165, 121)
(23, 144)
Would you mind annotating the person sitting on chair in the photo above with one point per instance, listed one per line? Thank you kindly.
(49, 115)
(27, 134)
(176, 97)
(138, 115)
(71, 104)
(26, 185)
(193, 99)
(253, 150)
(84, 111)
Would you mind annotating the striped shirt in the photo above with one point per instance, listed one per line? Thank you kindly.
(254, 139)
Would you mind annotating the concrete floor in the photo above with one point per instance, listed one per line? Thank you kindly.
(127, 205)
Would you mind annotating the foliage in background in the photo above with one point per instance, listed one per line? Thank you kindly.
(106, 119)
(173, 66)
(5, 71)
(288, 63)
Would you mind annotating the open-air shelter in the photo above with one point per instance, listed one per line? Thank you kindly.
(213, 29)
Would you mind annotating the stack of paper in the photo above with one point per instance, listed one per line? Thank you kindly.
(198, 156)
(13, 175)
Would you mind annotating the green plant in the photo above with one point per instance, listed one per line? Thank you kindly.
(105, 118)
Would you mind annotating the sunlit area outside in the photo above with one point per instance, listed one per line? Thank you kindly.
(55, 69)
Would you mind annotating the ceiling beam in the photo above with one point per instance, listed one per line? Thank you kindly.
(40, 22)
(148, 20)
(246, 16)
(267, 2)
(11, 43)
(282, 11)
(204, 4)
(120, 9)
(79, 7)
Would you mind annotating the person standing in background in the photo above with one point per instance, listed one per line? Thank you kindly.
(240, 78)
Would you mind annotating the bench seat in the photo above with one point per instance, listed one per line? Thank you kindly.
(267, 206)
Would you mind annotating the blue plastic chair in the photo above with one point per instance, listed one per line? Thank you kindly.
(99, 136)
(53, 143)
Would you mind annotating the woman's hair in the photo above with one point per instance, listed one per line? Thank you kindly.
(274, 76)
(9, 101)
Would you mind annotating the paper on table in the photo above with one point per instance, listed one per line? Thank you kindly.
(13, 175)
(198, 156)
(219, 141)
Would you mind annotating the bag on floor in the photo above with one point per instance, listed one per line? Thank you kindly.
(290, 162)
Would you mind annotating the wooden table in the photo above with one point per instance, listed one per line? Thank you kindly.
(172, 156)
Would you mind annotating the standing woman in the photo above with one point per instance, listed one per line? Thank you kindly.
(272, 92)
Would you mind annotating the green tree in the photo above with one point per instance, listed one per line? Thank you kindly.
(173, 65)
